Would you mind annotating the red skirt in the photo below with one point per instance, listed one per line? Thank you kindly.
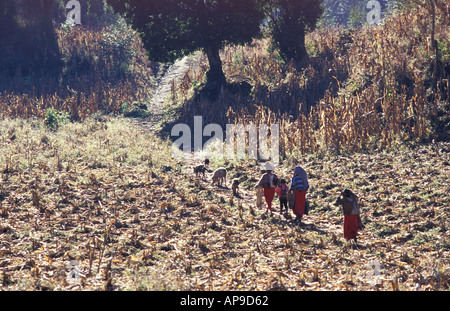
(269, 194)
(300, 200)
(350, 226)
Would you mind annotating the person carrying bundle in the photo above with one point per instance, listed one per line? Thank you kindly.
(351, 211)
(299, 186)
(269, 181)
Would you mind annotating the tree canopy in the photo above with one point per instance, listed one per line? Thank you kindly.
(172, 28)
(27, 37)
(289, 21)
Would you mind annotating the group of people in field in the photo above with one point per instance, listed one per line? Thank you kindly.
(271, 185)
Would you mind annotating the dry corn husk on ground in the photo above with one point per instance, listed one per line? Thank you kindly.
(107, 198)
(135, 219)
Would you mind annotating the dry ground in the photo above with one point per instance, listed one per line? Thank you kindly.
(110, 196)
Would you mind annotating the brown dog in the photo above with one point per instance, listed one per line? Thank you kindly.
(219, 176)
(200, 169)
(235, 187)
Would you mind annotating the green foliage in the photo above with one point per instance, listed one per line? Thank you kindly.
(54, 118)
(136, 110)
(289, 21)
(171, 29)
(27, 38)
(444, 49)
(353, 13)
(357, 17)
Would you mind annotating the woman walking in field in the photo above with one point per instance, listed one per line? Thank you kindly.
(299, 186)
(269, 181)
(351, 211)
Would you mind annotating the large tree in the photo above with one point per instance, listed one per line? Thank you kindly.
(289, 21)
(173, 28)
(27, 38)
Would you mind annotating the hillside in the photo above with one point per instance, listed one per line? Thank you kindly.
(110, 197)
(101, 69)
(363, 89)
(92, 197)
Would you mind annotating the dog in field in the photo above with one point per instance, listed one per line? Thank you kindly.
(219, 176)
(200, 170)
(235, 187)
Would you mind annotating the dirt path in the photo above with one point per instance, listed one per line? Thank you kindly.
(156, 108)
(246, 197)
(164, 88)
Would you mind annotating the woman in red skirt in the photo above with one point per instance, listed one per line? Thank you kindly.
(350, 227)
(269, 181)
(352, 218)
(299, 185)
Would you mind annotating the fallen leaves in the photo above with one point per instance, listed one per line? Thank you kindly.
(131, 226)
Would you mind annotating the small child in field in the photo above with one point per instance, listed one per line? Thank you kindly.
(282, 192)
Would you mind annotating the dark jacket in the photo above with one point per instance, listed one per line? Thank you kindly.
(265, 181)
(299, 180)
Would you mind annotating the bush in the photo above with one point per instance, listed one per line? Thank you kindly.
(55, 118)
(135, 110)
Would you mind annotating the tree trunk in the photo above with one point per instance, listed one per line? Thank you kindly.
(215, 76)
(434, 44)
(301, 53)
(292, 46)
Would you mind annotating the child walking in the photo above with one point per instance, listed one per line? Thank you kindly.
(282, 192)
